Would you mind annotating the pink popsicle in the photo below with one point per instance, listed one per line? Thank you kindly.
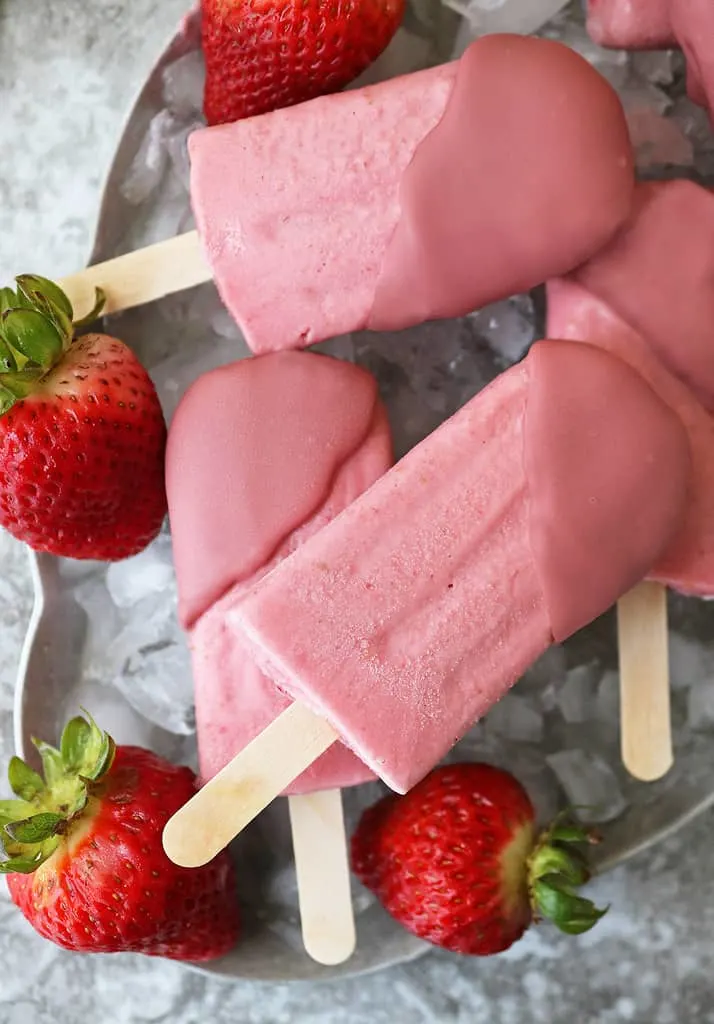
(261, 454)
(574, 313)
(423, 197)
(660, 24)
(518, 521)
(658, 275)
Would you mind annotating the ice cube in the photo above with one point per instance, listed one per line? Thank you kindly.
(607, 702)
(589, 783)
(575, 697)
(152, 663)
(545, 675)
(516, 718)
(177, 150)
(658, 141)
(149, 164)
(282, 890)
(694, 122)
(362, 899)
(149, 572)
(521, 16)
(288, 932)
(426, 373)
(691, 663)
(183, 82)
(106, 622)
(655, 66)
(508, 328)
(700, 706)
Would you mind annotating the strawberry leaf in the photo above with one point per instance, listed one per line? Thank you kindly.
(51, 763)
(15, 809)
(7, 359)
(26, 865)
(99, 751)
(24, 782)
(76, 739)
(20, 384)
(32, 286)
(32, 334)
(57, 317)
(8, 299)
(7, 400)
(36, 829)
(100, 300)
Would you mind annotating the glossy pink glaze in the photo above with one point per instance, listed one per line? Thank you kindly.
(262, 454)
(516, 522)
(307, 226)
(688, 563)
(253, 450)
(544, 129)
(658, 275)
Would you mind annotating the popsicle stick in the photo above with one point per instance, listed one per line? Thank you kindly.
(646, 736)
(323, 876)
(141, 276)
(225, 805)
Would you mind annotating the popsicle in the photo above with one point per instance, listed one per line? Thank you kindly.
(688, 562)
(661, 24)
(658, 275)
(262, 453)
(518, 521)
(420, 197)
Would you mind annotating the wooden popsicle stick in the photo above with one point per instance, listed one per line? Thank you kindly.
(323, 876)
(140, 276)
(224, 806)
(646, 735)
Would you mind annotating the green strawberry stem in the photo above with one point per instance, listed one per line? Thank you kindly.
(46, 809)
(36, 329)
(556, 868)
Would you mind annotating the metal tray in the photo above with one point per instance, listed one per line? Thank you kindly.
(52, 657)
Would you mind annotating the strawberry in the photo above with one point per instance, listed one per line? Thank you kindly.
(265, 54)
(82, 434)
(85, 861)
(456, 861)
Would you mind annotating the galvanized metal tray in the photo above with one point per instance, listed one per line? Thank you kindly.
(543, 718)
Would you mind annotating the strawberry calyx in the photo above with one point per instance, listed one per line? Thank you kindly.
(556, 868)
(47, 808)
(37, 327)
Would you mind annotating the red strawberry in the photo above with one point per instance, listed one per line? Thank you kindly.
(457, 863)
(265, 54)
(82, 434)
(86, 865)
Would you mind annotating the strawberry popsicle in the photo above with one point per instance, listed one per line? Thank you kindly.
(661, 24)
(423, 197)
(658, 275)
(261, 454)
(688, 563)
(517, 522)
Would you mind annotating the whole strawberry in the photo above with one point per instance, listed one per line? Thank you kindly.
(265, 54)
(82, 434)
(456, 861)
(85, 861)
